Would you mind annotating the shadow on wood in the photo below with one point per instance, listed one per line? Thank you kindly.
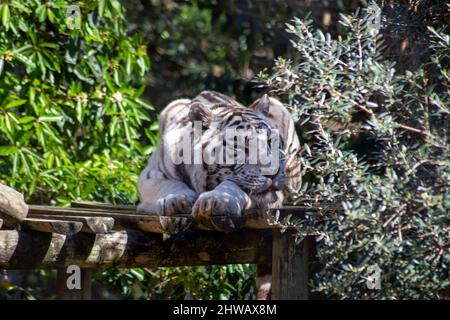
(126, 249)
(290, 266)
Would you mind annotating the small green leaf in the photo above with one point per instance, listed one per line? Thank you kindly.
(15, 103)
(5, 16)
(8, 150)
(50, 118)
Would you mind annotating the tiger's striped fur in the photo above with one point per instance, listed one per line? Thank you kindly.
(167, 188)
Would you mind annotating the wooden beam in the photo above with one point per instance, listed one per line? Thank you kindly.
(63, 292)
(123, 219)
(101, 205)
(125, 249)
(108, 206)
(84, 211)
(129, 219)
(13, 208)
(53, 225)
(90, 224)
(290, 266)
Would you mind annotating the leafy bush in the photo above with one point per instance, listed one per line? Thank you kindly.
(70, 115)
(376, 141)
(203, 282)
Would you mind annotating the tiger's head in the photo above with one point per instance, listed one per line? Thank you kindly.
(243, 145)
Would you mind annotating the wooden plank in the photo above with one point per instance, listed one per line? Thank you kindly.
(90, 224)
(250, 220)
(124, 220)
(221, 223)
(101, 205)
(73, 211)
(53, 226)
(28, 249)
(107, 206)
(63, 292)
(290, 267)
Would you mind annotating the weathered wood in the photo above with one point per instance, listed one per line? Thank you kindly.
(261, 220)
(164, 224)
(123, 219)
(13, 208)
(250, 220)
(224, 224)
(106, 206)
(126, 219)
(65, 293)
(90, 224)
(290, 266)
(101, 205)
(53, 226)
(125, 249)
(83, 211)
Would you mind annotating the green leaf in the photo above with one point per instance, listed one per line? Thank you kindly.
(24, 59)
(50, 118)
(8, 150)
(26, 119)
(80, 113)
(15, 103)
(42, 13)
(5, 16)
(128, 64)
(144, 104)
(101, 7)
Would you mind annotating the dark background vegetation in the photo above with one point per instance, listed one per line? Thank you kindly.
(219, 45)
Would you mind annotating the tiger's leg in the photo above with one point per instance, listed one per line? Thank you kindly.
(226, 199)
(162, 196)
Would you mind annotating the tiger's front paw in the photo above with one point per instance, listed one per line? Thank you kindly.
(174, 204)
(216, 203)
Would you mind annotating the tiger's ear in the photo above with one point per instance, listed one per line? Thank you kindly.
(200, 112)
(262, 105)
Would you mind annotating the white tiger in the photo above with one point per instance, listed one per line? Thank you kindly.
(205, 190)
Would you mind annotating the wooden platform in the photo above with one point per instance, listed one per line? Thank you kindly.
(101, 218)
(97, 235)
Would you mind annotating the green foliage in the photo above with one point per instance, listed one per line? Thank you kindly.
(215, 45)
(70, 113)
(213, 282)
(374, 125)
(376, 140)
(72, 124)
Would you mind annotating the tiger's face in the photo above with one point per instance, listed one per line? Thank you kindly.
(242, 145)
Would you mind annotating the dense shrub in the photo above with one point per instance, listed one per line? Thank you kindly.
(376, 142)
(72, 125)
(70, 114)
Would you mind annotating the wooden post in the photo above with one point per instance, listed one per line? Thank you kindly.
(263, 280)
(64, 293)
(290, 267)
